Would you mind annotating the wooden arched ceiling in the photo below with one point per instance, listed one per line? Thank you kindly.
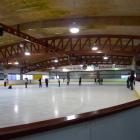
(49, 18)
(93, 16)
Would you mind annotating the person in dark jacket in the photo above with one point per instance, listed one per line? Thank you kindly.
(128, 82)
(101, 81)
(68, 81)
(5, 83)
(26, 82)
(95, 80)
(80, 81)
(40, 82)
(46, 81)
(10, 87)
(132, 80)
(59, 82)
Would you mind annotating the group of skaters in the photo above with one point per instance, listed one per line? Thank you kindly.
(99, 80)
(96, 80)
(40, 82)
(68, 81)
(131, 81)
(6, 83)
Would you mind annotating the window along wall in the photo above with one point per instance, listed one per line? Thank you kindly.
(29, 76)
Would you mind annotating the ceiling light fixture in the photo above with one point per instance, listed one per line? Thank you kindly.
(27, 53)
(27, 40)
(56, 61)
(21, 45)
(105, 57)
(94, 48)
(99, 52)
(74, 29)
(16, 63)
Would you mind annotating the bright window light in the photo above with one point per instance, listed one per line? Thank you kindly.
(124, 76)
(116, 69)
(56, 77)
(17, 77)
(90, 68)
(65, 70)
(45, 76)
(29, 77)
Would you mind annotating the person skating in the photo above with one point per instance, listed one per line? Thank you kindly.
(5, 82)
(59, 82)
(46, 82)
(132, 80)
(68, 81)
(128, 82)
(40, 83)
(80, 81)
(26, 82)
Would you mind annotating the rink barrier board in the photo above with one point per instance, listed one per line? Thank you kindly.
(43, 126)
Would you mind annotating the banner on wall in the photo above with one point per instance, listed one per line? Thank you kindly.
(37, 76)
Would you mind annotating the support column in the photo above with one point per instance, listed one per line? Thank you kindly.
(21, 74)
(68, 75)
(133, 65)
(98, 74)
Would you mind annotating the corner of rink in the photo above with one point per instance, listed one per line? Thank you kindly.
(137, 90)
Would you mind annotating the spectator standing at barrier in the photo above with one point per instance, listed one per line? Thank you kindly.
(46, 81)
(63, 80)
(26, 82)
(128, 82)
(101, 81)
(95, 80)
(59, 82)
(80, 81)
(40, 82)
(68, 81)
(5, 80)
(132, 80)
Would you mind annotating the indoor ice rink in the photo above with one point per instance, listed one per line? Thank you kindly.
(21, 105)
(69, 70)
